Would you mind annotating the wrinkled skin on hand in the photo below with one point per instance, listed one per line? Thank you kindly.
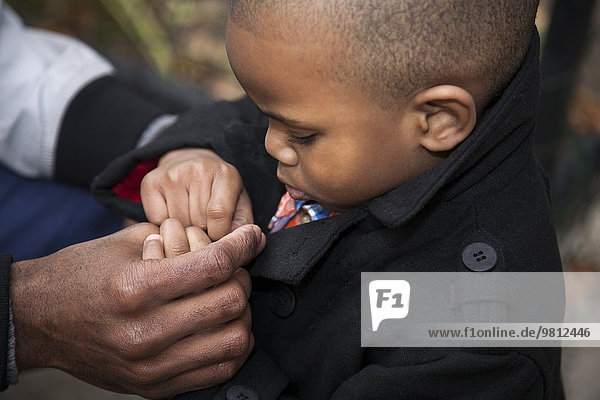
(153, 327)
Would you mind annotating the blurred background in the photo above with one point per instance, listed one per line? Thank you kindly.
(172, 51)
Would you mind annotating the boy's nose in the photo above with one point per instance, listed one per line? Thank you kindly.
(278, 147)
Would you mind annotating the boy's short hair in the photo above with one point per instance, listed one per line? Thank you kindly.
(395, 48)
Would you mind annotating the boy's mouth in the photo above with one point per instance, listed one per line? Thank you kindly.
(296, 194)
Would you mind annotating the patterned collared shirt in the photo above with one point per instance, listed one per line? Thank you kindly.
(292, 212)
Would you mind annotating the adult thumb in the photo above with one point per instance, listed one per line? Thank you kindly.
(240, 246)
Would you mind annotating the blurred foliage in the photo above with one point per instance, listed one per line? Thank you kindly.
(181, 40)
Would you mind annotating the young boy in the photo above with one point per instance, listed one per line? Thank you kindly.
(412, 122)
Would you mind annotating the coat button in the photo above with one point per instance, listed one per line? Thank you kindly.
(282, 302)
(241, 392)
(479, 257)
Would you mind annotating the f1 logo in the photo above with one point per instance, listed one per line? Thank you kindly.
(389, 299)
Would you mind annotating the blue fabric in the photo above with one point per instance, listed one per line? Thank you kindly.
(39, 217)
(278, 222)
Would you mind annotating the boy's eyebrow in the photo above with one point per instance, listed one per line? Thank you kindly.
(287, 121)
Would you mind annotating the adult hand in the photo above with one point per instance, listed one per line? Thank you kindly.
(153, 327)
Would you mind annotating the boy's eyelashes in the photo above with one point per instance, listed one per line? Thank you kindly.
(293, 137)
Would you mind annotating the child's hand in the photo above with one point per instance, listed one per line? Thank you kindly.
(196, 187)
(174, 240)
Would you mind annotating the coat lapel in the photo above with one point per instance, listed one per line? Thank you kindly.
(292, 252)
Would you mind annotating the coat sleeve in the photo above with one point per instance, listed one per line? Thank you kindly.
(41, 72)
(234, 130)
(63, 115)
(103, 121)
(5, 263)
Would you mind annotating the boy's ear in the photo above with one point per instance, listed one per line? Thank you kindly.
(447, 115)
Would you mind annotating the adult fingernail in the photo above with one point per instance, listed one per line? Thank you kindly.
(154, 236)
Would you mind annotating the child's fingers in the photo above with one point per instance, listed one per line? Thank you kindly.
(243, 211)
(175, 239)
(199, 196)
(153, 248)
(178, 204)
(155, 206)
(222, 204)
(196, 237)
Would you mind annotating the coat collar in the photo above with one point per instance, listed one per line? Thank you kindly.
(506, 125)
(292, 252)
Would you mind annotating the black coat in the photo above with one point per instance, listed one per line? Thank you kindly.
(306, 284)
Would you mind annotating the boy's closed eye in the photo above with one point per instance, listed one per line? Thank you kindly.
(299, 138)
